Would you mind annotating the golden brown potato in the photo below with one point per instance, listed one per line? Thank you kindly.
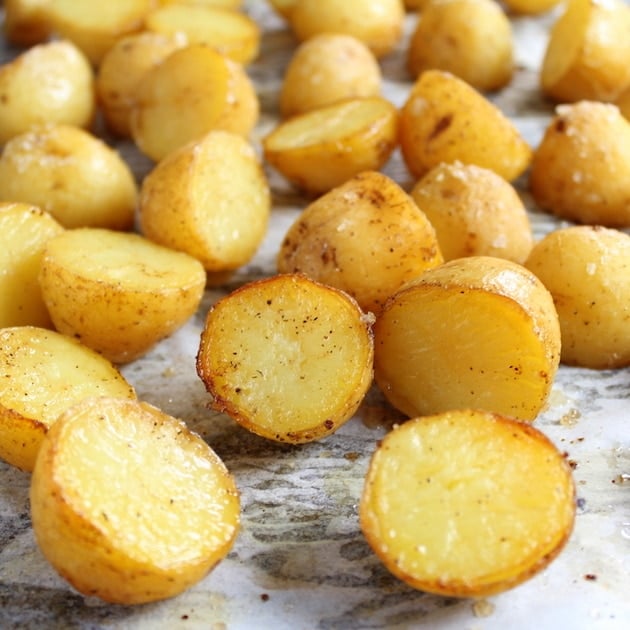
(467, 503)
(588, 52)
(325, 147)
(530, 7)
(71, 174)
(478, 332)
(231, 33)
(118, 292)
(415, 5)
(121, 70)
(377, 23)
(214, 91)
(444, 119)
(366, 237)
(474, 212)
(26, 22)
(283, 7)
(623, 103)
(44, 373)
(286, 357)
(24, 230)
(129, 505)
(581, 168)
(327, 68)
(209, 199)
(49, 83)
(587, 271)
(470, 38)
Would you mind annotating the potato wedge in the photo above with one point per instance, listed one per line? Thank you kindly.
(26, 22)
(118, 292)
(444, 119)
(287, 358)
(209, 199)
(448, 509)
(323, 148)
(476, 332)
(587, 271)
(71, 174)
(128, 505)
(44, 373)
(24, 230)
(474, 212)
(581, 168)
(366, 237)
(49, 83)
(214, 91)
(588, 52)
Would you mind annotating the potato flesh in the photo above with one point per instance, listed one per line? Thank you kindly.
(448, 503)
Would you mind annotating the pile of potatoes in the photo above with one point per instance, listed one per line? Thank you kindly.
(432, 289)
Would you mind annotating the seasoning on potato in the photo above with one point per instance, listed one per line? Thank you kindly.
(467, 503)
(325, 147)
(474, 212)
(44, 373)
(444, 119)
(587, 270)
(581, 168)
(287, 358)
(209, 199)
(470, 38)
(476, 332)
(72, 175)
(118, 292)
(366, 237)
(128, 505)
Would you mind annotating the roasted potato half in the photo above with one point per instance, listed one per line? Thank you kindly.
(366, 237)
(478, 332)
(129, 505)
(325, 147)
(444, 119)
(118, 292)
(286, 357)
(44, 373)
(448, 509)
(587, 271)
(26, 22)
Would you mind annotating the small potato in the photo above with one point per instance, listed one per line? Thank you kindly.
(72, 175)
(474, 212)
(231, 33)
(209, 199)
(213, 91)
(366, 237)
(128, 505)
(287, 358)
(470, 38)
(325, 147)
(588, 52)
(24, 230)
(587, 271)
(121, 70)
(467, 503)
(118, 292)
(477, 332)
(377, 23)
(444, 120)
(49, 83)
(44, 373)
(581, 168)
(531, 7)
(26, 22)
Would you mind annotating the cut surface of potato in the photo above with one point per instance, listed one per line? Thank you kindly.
(478, 332)
(286, 357)
(129, 505)
(325, 147)
(44, 373)
(467, 503)
(117, 292)
(24, 230)
(366, 237)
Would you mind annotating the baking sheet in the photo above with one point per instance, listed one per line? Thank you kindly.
(300, 561)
